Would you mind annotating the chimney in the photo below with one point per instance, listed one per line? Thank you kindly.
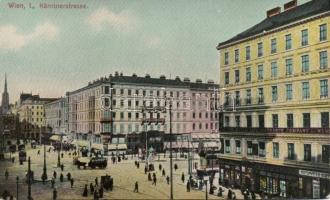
(273, 12)
(210, 82)
(147, 76)
(116, 73)
(163, 77)
(290, 5)
(134, 75)
(186, 80)
(177, 78)
(199, 81)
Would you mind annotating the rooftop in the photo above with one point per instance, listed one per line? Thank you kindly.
(300, 12)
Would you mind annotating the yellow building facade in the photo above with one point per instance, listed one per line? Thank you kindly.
(274, 80)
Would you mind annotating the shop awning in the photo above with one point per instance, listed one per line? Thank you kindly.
(82, 143)
(117, 146)
(211, 144)
(55, 138)
(97, 146)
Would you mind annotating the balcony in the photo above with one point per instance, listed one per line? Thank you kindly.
(277, 130)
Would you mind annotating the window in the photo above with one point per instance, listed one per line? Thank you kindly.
(288, 66)
(236, 55)
(200, 115)
(237, 98)
(226, 77)
(238, 121)
(121, 115)
(236, 76)
(273, 45)
(276, 150)
(323, 59)
(288, 42)
(288, 91)
(238, 146)
(305, 63)
(106, 90)
(249, 147)
(248, 96)
(129, 92)
(305, 90)
(129, 103)
(137, 92)
(226, 58)
(194, 115)
(248, 74)
(227, 147)
(248, 53)
(274, 69)
(275, 120)
(306, 120)
(260, 95)
(323, 32)
(289, 120)
(260, 49)
(262, 150)
(260, 72)
(304, 37)
(274, 93)
(326, 153)
(261, 119)
(106, 102)
(222, 146)
(121, 91)
(323, 88)
(248, 121)
(325, 119)
(291, 155)
(122, 102)
(136, 115)
(129, 115)
(307, 152)
(194, 126)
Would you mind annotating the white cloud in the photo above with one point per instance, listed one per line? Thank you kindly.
(123, 22)
(12, 40)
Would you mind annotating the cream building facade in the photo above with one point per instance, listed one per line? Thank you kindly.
(274, 81)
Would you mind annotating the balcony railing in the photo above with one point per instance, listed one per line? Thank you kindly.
(276, 130)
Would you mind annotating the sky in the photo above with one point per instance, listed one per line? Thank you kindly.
(52, 51)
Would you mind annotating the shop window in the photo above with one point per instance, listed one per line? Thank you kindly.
(262, 150)
(227, 147)
(255, 149)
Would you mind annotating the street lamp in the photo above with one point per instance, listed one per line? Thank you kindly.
(206, 178)
(44, 174)
(17, 179)
(59, 152)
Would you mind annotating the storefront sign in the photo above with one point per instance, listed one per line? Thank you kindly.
(314, 174)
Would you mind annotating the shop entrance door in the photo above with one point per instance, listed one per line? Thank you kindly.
(282, 188)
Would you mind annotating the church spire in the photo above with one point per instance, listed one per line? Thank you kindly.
(5, 83)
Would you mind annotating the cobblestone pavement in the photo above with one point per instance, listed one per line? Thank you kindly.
(125, 174)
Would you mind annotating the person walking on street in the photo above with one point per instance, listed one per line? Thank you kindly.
(145, 170)
(54, 174)
(62, 155)
(188, 186)
(6, 174)
(54, 194)
(38, 152)
(138, 165)
(68, 175)
(175, 166)
(96, 182)
(136, 187)
(168, 180)
(53, 182)
(96, 195)
(154, 179)
(71, 182)
(163, 172)
(160, 167)
(149, 177)
(182, 177)
(91, 188)
(62, 167)
(61, 177)
(85, 193)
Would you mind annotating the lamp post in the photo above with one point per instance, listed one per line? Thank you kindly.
(206, 178)
(59, 152)
(44, 174)
(29, 179)
(17, 179)
(171, 161)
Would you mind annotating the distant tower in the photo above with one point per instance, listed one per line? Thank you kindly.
(5, 99)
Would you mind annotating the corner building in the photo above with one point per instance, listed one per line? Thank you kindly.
(274, 81)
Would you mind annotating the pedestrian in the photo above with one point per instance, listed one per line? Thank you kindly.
(160, 167)
(229, 194)
(154, 180)
(149, 176)
(253, 196)
(96, 182)
(6, 174)
(71, 182)
(62, 155)
(188, 186)
(53, 182)
(96, 195)
(13, 159)
(61, 177)
(54, 194)
(62, 167)
(101, 191)
(234, 196)
(38, 152)
(163, 172)
(85, 193)
(91, 188)
(168, 180)
(182, 177)
(175, 167)
(145, 170)
(55, 174)
(69, 176)
(138, 165)
(136, 187)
